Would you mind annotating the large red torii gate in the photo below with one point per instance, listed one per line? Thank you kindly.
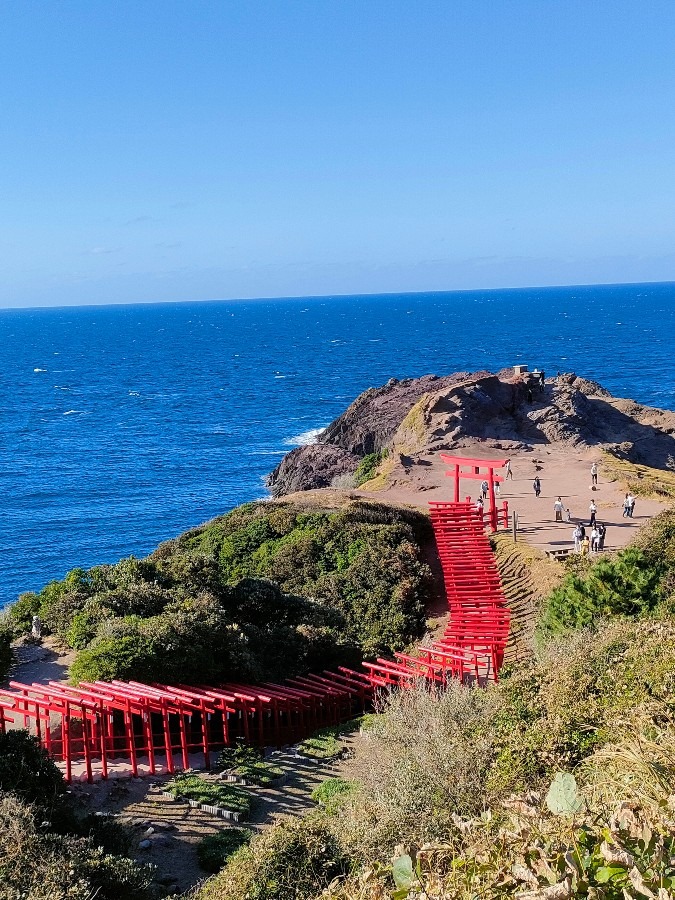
(475, 466)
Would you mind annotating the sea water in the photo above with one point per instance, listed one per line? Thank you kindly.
(122, 426)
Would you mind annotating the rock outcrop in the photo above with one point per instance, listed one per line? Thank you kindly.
(424, 415)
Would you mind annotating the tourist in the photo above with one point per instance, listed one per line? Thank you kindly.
(585, 546)
(568, 515)
(536, 484)
(594, 474)
(602, 531)
(558, 508)
(631, 505)
(578, 536)
(498, 489)
(507, 471)
(484, 487)
(626, 507)
(479, 506)
(36, 627)
(592, 510)
(595, 539)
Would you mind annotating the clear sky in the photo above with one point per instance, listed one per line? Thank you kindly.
(186, 149)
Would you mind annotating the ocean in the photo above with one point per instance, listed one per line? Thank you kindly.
(124, 425)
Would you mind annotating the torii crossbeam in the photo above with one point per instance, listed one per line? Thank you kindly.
(477, 472)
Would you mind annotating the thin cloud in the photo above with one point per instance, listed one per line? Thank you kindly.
(101, 251)
(138, 220)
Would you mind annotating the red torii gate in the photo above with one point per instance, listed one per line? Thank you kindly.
(475, 466)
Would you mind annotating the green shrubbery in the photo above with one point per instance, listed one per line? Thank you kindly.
(214, 850)
(268, 591)
(190, 786)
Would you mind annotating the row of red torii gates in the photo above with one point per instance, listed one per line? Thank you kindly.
(91, 727)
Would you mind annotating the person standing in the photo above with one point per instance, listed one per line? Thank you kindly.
(595, 539)
(558, 508)
(602, 531)
(479, 506)
(507, 471)
(585, 546)
(568, 515)
(626, 507)
(592, 510)
(631, 505)
(594, 474)
(498, 489)
(578, 535)
(536, 485)
(484, 487)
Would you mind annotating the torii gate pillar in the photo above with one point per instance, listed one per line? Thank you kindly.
(476, 465)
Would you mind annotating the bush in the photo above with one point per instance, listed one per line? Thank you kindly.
(6, 654)
(214, 850)
(294, 860)
(39, 865)
(27, 771)
(627, 584)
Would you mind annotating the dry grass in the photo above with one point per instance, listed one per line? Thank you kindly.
(642, 481)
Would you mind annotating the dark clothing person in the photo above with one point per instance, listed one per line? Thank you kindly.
(536, 484)
(602, 531)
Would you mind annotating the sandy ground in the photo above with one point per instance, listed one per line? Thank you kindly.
(174, 828)
(562, 472)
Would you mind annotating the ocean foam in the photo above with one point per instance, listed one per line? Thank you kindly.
(305, 437)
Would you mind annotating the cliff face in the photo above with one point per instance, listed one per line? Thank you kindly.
(425, 415)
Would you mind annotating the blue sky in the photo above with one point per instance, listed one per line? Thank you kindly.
(191, 150)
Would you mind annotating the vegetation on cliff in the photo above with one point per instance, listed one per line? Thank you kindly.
(459, 793)
(267, 591)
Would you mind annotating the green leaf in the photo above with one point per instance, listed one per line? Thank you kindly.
(605, 873)
(402, 870)
(563, 796)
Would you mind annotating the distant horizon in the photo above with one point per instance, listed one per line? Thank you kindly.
(338, 295)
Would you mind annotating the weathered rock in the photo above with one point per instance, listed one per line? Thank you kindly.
(370, 422)
(311, 466)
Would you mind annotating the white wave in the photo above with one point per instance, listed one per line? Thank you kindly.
(134, 394)
(39, 370)
(266, 453)
(73, 412)
(305, 437)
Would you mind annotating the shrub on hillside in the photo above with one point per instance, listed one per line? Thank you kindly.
(294, 860)
(214, 850)
(40, 865)
(27, 771)
(626, 584)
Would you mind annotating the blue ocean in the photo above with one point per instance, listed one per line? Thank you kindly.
(124, 425)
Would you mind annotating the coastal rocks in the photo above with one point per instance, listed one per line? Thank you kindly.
(425, 415)
(309, 467)
(370, 422)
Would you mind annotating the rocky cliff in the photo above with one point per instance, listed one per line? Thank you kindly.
(504, 411)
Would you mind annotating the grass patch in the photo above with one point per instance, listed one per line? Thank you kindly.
(331, 794)
(214, 850)
(260, 773)
(326, 743)
(642, 481)
(188, 786)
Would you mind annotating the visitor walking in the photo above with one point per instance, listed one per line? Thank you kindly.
(558, 508)
(594, 474)
(479, 506)
(578, 536)
(498, 489)
(626, 507)
(507, 471)
(592, 510)
(568, 515)
(631, 505)
(536, 484)
(484, 486)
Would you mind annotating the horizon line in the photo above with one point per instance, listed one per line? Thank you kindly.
(335, 296)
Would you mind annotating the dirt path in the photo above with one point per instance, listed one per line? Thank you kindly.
(174, 828)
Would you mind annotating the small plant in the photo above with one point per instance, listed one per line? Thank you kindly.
(214, 850)
(325, 743)
(331, 794)
(188, 786)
